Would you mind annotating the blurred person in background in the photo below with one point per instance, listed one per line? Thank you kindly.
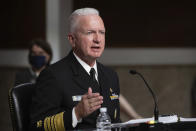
(39, 57)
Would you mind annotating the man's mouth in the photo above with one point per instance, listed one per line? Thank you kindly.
(95, 47)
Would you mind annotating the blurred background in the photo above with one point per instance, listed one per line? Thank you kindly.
(156, 38)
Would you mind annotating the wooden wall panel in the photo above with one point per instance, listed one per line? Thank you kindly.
(22, 21)
(150, 23)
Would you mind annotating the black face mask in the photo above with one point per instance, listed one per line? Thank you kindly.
(37, 61)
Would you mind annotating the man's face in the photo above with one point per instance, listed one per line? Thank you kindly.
(88, 40)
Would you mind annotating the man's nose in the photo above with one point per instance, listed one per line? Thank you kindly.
(97, 38)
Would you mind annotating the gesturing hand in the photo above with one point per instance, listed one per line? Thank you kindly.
(88, 104)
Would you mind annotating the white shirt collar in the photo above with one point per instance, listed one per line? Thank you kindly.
(86, 66)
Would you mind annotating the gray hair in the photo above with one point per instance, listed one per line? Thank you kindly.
(80, 12)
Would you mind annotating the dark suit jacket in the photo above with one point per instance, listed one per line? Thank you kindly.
(52, 102)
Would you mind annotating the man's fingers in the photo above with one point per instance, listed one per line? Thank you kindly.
(89, 91)
(95, 99)
(94, 108)
(93, 95)
(89, 103)
(95, 103)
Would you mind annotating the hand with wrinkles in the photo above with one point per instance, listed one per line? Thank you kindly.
(89, 103)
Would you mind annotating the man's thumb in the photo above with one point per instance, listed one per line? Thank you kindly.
(89, 90)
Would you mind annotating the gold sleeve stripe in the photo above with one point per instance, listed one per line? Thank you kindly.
(59, 122)
(54, 123)
(49, 124)
(45, 124)
(55, 127)
(39, 123)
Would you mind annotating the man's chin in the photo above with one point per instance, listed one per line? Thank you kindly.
(94, 57)
(97, 54)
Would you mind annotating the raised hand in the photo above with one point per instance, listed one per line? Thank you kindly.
(89, 103)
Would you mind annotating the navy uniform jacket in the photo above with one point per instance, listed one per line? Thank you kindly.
(53, 99)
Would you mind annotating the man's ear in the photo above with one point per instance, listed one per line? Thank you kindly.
(71, 39)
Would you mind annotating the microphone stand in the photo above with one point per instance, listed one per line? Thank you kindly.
(156, 111)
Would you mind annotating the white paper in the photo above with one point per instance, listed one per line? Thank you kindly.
(187, 119)
(162, 119)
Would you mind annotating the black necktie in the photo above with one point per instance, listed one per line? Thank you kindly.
(94, 82)
(92, 74)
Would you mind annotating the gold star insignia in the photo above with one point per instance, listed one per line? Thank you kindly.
(39, 123)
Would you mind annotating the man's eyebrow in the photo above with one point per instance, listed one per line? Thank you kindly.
(91, 30)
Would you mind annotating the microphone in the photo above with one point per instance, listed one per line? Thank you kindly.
(156, 111)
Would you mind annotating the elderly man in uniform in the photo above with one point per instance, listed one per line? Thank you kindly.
(69, 93)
